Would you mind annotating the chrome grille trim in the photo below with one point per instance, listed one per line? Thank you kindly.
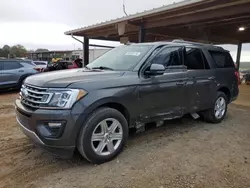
(32, 96)
(36, 92)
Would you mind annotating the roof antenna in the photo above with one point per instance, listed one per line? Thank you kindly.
(124, 8)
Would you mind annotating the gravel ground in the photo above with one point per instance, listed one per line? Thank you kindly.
(183, 153)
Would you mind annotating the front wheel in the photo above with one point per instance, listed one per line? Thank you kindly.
(103, 135)
(218, 112)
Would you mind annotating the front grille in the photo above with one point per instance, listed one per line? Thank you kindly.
(33, 96)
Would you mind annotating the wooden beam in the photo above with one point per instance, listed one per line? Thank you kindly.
(193, 34)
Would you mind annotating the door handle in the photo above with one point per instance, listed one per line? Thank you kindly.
(181, 83)
(21, 71)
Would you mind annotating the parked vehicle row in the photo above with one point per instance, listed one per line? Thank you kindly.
(92, 109)
(14, 71)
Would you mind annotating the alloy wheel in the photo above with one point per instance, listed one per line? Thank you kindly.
(220, 107)
(107, 137)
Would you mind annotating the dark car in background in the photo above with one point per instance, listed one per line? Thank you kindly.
(13, 72)
(92, 109)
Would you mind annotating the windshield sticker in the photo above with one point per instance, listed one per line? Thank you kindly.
(133, 53)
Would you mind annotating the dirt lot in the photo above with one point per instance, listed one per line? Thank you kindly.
(183, 153)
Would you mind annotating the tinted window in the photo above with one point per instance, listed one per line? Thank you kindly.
(69, 63)
(222, 59)
(9, 65)
(168, 56)
(195, 59)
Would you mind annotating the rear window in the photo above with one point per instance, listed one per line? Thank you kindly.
(222, 59)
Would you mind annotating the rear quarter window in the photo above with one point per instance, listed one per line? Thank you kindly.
(222, 59)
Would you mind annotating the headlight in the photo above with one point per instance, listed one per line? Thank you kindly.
(64, 98)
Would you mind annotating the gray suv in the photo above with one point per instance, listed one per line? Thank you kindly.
(91, 109)
(13, 72)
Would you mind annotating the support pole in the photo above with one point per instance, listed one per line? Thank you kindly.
(141, 33)
(86, 51)
(238, 55)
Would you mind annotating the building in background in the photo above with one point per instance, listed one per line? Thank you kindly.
(66, 54)
(93, 53)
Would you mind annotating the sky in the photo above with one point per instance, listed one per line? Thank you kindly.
(42, 23)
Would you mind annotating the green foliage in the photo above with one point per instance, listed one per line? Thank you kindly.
(14, 51)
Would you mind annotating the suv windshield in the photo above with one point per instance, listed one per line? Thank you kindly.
(121, 58)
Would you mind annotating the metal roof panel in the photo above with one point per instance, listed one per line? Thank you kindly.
(135, 16)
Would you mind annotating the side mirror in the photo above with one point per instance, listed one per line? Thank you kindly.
(155, 69)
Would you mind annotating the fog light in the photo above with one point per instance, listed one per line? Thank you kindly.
(54, 125)
(51, 129)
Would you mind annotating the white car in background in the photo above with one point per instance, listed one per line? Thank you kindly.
(41, 64)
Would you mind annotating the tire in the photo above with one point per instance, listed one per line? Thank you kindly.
(98, 126)
(210, 114)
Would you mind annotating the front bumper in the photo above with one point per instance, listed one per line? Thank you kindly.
(31, 124)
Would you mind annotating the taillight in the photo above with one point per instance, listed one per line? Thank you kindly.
(37, 69)
(237, 74)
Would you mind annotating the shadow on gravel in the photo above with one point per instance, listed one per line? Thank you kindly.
(8, 91)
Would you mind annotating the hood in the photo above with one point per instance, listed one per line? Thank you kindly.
(64, 78)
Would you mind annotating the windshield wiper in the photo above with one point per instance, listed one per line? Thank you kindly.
(102, 68)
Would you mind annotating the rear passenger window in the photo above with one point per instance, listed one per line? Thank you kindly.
(222, 59)
(195, 59)
(10, 65)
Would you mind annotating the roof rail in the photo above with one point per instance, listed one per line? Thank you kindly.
(195, 43)
(186, 42)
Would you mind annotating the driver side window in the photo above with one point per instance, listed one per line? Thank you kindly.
(169, 56)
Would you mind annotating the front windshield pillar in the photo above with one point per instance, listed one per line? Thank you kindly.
(86, 51)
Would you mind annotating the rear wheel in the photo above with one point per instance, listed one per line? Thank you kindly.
(218, 112)
(103, 136)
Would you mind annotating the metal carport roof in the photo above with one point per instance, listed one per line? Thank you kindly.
(215, 21)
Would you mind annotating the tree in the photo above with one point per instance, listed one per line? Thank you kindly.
(18, 51)
(4, 52)
(6, 48)
(42, 50)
